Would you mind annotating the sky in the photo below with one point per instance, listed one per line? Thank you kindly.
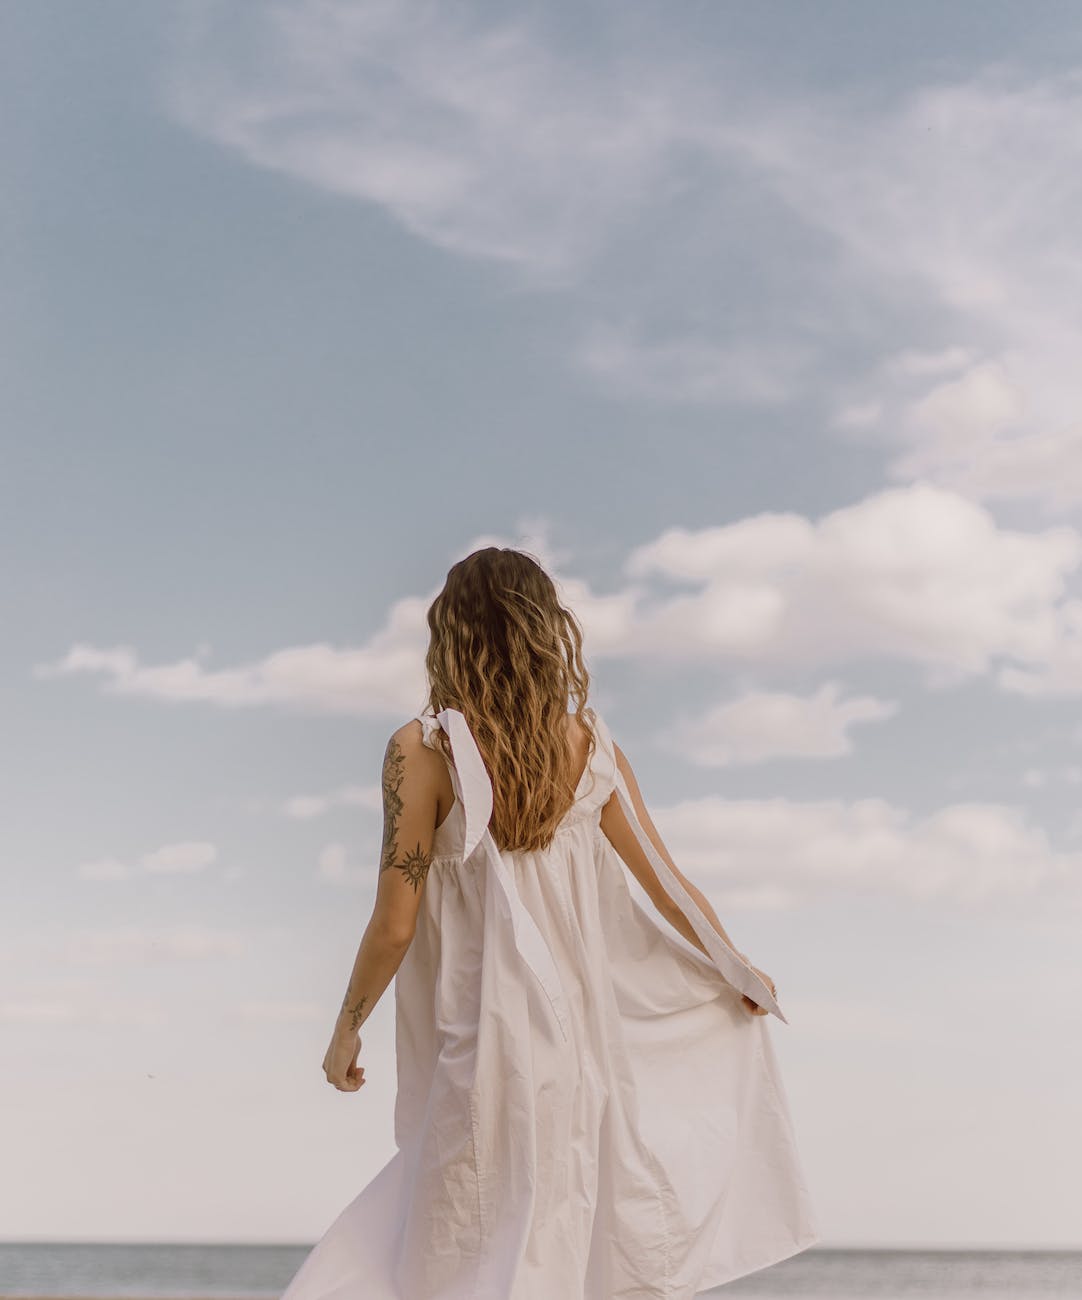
(758, 326)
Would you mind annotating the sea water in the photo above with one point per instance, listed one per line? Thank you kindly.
(211, 1272)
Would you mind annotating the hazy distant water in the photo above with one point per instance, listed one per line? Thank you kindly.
(204, 1272)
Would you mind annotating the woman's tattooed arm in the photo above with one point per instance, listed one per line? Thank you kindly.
(410, 804)
(414, 862)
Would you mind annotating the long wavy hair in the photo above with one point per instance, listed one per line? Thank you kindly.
(506, 652)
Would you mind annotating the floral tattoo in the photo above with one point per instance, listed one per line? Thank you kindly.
(415, 862)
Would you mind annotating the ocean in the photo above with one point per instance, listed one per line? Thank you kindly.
(212, 1272)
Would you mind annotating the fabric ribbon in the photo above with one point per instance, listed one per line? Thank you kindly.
(730, 964)
(475, 794)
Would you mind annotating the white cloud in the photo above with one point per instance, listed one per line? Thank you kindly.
(143, 945)
(761, 725)
(334, 867)
(304, 807)
(37, 1011)
(1039, 777)
(332, 862)
(81, 1007)
(965, 852)
(383, 676)
(918, 575)
(104, 869)
(694, 370)
(964, 197)
(278, 1011)
(972, 430)
(964, 185)
(953, 201)
(859, 415)
(919, 362)
(477, 138)
(185, 856)
(959, 412)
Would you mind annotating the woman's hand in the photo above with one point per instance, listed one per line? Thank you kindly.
(340, 1061)
(745, 1001)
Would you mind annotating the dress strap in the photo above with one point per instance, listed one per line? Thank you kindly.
(733, 968)
(473, 789)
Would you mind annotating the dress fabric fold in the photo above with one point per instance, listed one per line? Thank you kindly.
(584, 1107)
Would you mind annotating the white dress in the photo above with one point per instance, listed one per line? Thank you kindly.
(585, 1111)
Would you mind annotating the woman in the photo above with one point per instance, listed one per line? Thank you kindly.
(588, 1100)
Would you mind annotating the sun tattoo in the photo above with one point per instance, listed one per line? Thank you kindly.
(415, 867)
(416, 862)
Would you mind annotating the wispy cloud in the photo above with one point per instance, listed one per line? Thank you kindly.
(960, 202)
(694, 370)
(277, 1011)
(947, 210)
(138, 945)
(181, 858)
(334, 867)
(305, 807)
(476, 136)
(61, 1004)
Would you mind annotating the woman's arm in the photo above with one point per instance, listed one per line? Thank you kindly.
(625, 842)
(410, 809)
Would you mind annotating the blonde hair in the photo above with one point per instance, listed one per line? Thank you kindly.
(506, 653)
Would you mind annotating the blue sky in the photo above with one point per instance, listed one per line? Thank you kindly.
(759, 326)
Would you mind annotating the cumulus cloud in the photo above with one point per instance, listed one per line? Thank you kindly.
(917, 575)
(776, 852)
(966, 422)
(761, 725)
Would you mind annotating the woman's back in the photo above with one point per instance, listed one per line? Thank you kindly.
(585, 1107)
